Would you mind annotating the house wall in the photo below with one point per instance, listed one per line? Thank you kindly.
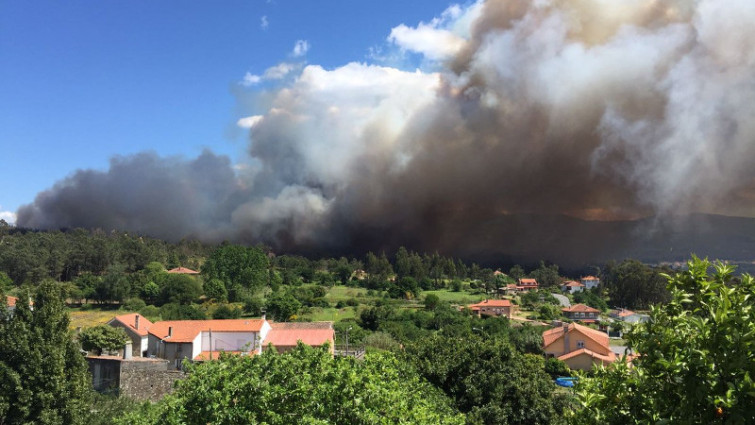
(496, 311)
(136, 339)
(105, 374)
(557, 347)
(229, 341)
(589, 284)
(581, 362)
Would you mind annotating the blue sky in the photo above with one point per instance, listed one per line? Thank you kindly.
(83, 81)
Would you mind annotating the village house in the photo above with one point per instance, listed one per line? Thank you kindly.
(136, 327)
(284, 336)
(628, 316)
(578, 346)
(527, 284)
(176, 340)
(572, 286)
(12, 301)
(183, 270)
(582, 313)
(590, 282)
(493, 308)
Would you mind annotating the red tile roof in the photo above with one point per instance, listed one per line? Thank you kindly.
(527, 281)
(129, 320)
(608, 358)
(624, 312)
(187, 330)
(11, 301)
(589, 278)
(580, 308)
(551, 335)
(205, 355)
(490, 303)
(572, 283)
(183, 270)
(310, 333)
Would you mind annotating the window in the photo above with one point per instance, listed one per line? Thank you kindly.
(580, 344)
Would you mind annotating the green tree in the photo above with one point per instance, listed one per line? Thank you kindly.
(546, 275)
(306, 386)
(282, 306)
(214, 289)
(224, 311)
(43, 376)
(102, 337)
(634, 285)
(181, 289)
(487, 379)
(695, 363)
(238, 267)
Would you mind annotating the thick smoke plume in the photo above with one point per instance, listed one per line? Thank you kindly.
(595, 109)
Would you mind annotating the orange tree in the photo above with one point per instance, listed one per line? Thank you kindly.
(695, 361)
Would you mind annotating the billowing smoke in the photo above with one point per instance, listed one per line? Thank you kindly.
(596, 109)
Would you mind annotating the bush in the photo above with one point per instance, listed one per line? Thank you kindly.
(174, 311)
(381, 341)
(102, 338)
(253, 306)
(150, 312)
(225, 311)
(555, 368)
(133, 304)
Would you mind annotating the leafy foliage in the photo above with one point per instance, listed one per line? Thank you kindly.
(488, 379)
(102, 337)
(634, 285)
(696, 358)
(43, 376)
(308, 386)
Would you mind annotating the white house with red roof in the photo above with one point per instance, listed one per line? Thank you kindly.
(578, 346)
(572, 286)
(136, 327)
(176, 340)
(201, 340)
(493, 308)
(590, 282)
(527, 284)
(582, 313)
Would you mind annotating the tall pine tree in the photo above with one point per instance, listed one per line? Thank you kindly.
(43, 375)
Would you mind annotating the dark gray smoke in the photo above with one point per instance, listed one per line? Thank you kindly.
(600, 110)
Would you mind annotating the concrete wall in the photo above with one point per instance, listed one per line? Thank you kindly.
(558, 348)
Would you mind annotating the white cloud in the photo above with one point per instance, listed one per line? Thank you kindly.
(301, 47)
(264, 23)
(279, 71)
(249, 122)
(432, 42)
(8, 216)
(439, 39)
(251, 79)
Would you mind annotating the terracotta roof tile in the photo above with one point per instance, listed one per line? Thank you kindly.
(609, 358)
(310, 333)
(11, 301)
(129, 320)
(572, 283)
(187, 330)
(490, 303)
(205, 355)
(183, 270)
(580, 308)
(551, 335)
(527, 281)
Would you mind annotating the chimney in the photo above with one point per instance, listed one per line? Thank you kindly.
(136, 322)
(264, 314)
(170, 331)
(566, 338)
(127, 351)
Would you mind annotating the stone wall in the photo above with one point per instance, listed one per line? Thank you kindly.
(147, 381)
(137, 378)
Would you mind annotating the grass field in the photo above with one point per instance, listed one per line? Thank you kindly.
(330, 314)
(343, 293)
(455, 297)
(88, 318)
